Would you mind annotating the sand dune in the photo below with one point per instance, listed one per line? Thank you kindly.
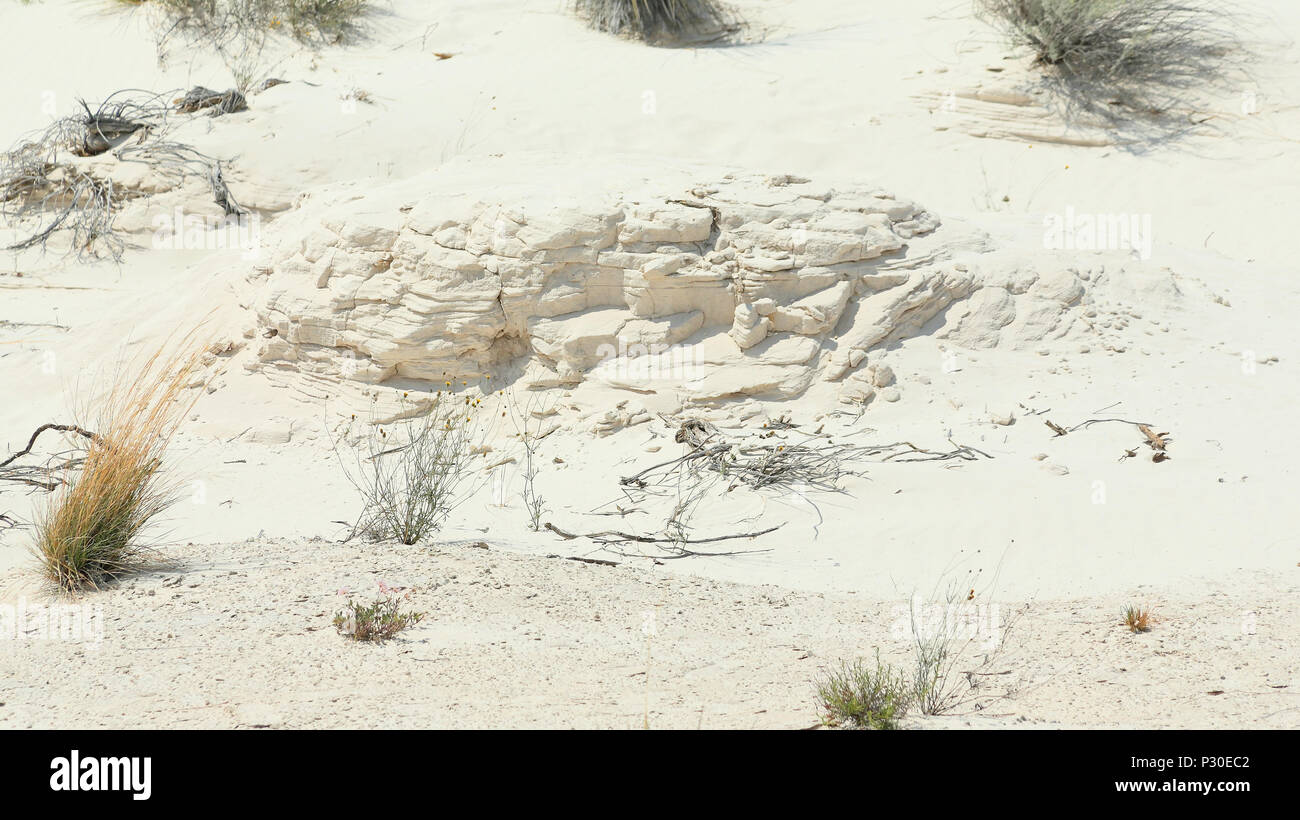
(856, 226)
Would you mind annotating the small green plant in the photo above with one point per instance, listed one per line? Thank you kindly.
(1137, 618)
(376, 621)
(861, 696)
(935, 686)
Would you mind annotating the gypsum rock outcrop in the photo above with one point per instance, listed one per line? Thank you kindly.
(713, 284)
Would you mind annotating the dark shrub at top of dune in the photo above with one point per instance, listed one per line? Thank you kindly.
(1138, 55)
(660, 22)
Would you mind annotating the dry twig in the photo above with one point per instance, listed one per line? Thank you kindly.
(45, 477)
(31, 442)
(610, 537)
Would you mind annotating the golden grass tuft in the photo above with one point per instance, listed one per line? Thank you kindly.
(1137, 618)
(91, 530)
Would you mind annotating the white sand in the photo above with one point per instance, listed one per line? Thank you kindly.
(836, 93)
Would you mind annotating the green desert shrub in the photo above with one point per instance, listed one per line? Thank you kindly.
(376, 621)
(858, 695)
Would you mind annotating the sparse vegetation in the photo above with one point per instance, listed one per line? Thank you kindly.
(237, 31)
(1141, 55)
(861, 696)
(678, 526)
(932, 677)
(50, 183)
(411, 473)
(947, 674)
(777, 458)
(376, 621)
(92, 530)
(954, 638)
(526, 424)
(330, 21)
(659, 22)
(1137, 618)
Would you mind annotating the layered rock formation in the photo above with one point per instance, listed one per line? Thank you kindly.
(716, 285)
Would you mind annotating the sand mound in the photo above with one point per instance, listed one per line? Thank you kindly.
(717, 285)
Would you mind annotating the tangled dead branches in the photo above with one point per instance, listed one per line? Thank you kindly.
(51, 183)
(47, 476)
(759, 461)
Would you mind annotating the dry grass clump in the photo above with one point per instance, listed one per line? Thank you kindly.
(91, 531)
(1138, 54)
(1137, 618)
(859, 696)
(660, 22)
